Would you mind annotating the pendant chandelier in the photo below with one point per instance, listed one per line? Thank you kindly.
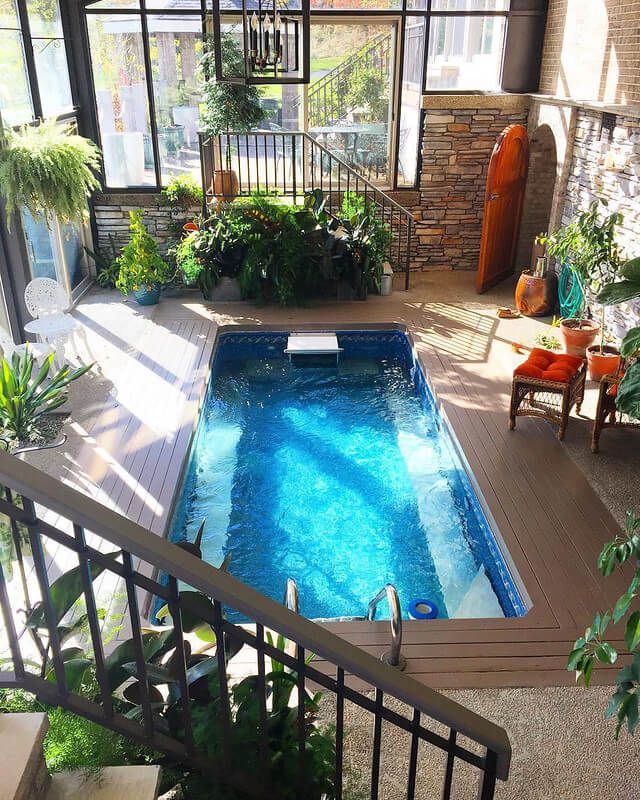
(272, 37)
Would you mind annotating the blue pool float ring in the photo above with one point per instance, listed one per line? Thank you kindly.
(422, 609)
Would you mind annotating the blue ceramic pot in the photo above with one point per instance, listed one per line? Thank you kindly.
(148, 295)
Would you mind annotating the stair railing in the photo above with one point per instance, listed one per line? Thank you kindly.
(393, 657)
(327, 95)
(293, 163)
(64, 526)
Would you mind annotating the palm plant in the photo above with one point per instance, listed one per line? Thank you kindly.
(24, 399)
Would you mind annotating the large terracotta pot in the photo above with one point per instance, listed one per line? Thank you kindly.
(225, 185)
(577, 335)
(601, 364)
(536, 297)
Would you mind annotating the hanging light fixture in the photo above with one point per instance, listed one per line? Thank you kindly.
(272, 37)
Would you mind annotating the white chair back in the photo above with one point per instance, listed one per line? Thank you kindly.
(45, 296)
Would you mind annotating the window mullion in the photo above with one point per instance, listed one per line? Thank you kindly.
(150, 96)
(29, 57)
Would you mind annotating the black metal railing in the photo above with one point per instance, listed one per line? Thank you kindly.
(114, 557)
(328, 96)
(293, 163)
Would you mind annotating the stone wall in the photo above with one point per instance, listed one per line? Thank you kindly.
(112, 218)
(459, 134)
(591, 177)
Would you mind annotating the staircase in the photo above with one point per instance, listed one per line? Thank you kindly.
(291, 164)
(327, 95)
(24, 773)
(131, 560)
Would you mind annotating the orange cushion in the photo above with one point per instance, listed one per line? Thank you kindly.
(549, 366)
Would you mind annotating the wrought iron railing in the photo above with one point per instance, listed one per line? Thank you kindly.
(328, 96)
(293, 163)
(113, 556)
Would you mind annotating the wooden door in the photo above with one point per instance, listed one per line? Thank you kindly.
(504, 196)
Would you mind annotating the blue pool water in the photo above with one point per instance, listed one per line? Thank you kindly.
(342, 478)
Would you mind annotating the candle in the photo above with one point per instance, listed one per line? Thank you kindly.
(254, 34)
(267, 29)
(277, 27)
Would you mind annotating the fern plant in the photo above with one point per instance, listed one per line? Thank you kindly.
(48, 169)
(25, 398)
(140, 263)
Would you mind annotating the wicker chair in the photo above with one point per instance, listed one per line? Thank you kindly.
(550, 391)
(607, 413)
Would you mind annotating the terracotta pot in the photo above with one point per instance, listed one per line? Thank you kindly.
(536, 297)
(225, 185)
(577, 335)
(601, 364)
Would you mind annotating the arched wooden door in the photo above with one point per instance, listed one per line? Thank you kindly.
(504, 196)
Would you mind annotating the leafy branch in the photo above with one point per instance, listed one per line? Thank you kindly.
(592, 648)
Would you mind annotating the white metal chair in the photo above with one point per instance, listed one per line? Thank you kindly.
(47, 301)
(44, 296)
(9, 347)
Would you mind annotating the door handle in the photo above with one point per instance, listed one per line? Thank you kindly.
(494, 196)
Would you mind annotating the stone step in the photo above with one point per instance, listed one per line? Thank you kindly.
(24, 774)
(109, 783)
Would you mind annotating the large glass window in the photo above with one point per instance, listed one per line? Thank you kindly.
(465, 52)
(15, 95)
(350, 97)
(175, 46)
(117, 58)
(50, 58)
(145, 57)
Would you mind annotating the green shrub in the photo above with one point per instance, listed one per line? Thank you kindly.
(140, 263)
(25, 398)
(369, 89)
(183, 191)
(73, 742)
(47, 168)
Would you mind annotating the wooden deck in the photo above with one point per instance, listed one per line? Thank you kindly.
(130, 454)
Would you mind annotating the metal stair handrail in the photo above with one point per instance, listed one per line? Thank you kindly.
(36, 487)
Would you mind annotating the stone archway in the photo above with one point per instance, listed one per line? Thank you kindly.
(539, 194)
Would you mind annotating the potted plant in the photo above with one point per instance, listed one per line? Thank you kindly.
(227, 107)
(588, 246)
(47, 169)
(183, 191)
(141, 268)
(628, 393)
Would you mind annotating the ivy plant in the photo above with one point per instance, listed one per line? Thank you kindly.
(593, 647)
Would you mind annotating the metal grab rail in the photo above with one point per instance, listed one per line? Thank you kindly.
(293, 163)
(291, 596)
(55, 515)
(327, 94)
(393, 657)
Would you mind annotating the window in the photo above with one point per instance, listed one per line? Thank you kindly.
(144, 58)
(144, 68)
(465, 52)
(47, 41)
(122, 102)
(15, 95)
(34, 81)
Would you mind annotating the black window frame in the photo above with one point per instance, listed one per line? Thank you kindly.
(88, 121)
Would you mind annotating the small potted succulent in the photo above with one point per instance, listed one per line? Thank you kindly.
(588, 246)
(141, 268)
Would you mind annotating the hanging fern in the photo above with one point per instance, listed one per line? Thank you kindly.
(47, 168)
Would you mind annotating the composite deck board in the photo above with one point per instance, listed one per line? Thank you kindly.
(552, 522)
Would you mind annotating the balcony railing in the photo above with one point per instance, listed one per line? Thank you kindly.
(293, 163)
(113, 556)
